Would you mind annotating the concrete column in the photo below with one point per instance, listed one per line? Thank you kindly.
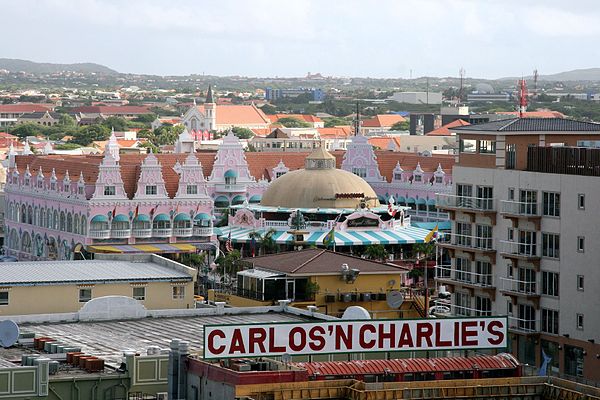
(173, 384)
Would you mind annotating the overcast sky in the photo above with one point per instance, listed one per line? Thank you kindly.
(376, 38)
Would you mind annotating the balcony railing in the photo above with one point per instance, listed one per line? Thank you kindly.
(424, 216)
(99, 233)
(203, 231)
(276, 224)
(528, 250)
(521, 287)
(519, 208)
(183, 232)
(161, 232)
(523, 325)
(472, 278)
(229, 188)
(444, 200)
(141, 233)
(120, 233)
(458, 310)
(467, 241)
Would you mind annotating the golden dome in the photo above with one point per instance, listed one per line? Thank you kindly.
(319, 185)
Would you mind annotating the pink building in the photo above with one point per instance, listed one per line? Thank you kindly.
(60, 206)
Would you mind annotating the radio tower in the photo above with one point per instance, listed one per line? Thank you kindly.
(522, 98)
(535, 79)
(461, 73)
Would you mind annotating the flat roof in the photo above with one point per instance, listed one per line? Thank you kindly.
(108, 339)
(29, 273)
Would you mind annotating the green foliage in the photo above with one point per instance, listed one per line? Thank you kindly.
(67, 120)
(415, 274)
(88, 134)
(401, 126)
(118, 123)
(336, 121)
(229, 263)
(242, 133)
(266, 243)
(149, 145)
(24, 130)
(146, 119)
(166, 135)
(269, 109)
(376, 252)
(66, 146)
(425, 250)
(312, 288)
(291, 122)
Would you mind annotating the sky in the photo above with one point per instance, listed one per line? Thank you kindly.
(268, 38)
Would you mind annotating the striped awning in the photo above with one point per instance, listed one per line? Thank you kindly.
(143, 248)
(342, 238)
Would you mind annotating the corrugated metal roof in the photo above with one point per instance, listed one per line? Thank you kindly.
(408, 365)
(47, 272)
(532, 125)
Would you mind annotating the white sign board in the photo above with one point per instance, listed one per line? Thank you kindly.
(258, 340)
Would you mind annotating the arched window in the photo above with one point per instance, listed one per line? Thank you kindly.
(55, 220)
(63, 220)
(13, 240)
(48, 218)
(83, 229)
(30, 215)
(161, 221)
(42, 220)
(76, 224)
(69, 222)
(23, 214)
(26, 243)
(36, 216)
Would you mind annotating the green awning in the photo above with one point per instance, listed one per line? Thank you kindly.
(161, 217)
(239, 199)
(421, 201)
(400, 200)
(182, 217)
(255, 198)
(100, 218)
(121, 218)
(410, 200)
(142, 218)
(431, 202)
(200, 216)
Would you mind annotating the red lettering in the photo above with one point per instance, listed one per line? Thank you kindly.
(211, 341)
(466, 333)
(424, 331)
(316, 336)
(257, 337)
(498, 333)
(457, 333)
(438, 337)
(361, 336)
(406, 339)
(292, 339)
(342, 335)
(272, 347)
(237, 343)
(389, 336)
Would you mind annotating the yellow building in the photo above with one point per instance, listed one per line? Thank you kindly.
(45, 287)
(330, 281)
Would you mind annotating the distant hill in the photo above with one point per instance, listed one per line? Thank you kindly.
(15, 65)
(587, 74)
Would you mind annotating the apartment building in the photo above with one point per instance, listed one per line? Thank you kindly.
(524, 239)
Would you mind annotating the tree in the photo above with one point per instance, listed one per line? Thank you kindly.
(149, 145)
(229, 264)
(66, 146)
(67, 120)
(266, 243)
(269, 109)
(91, 133)
(118, 123)
(336, 121)
(424, 250)
(401, 126)
(242, 133)
(145, 118)
(376, 252)
(291, 122)
(24, 130)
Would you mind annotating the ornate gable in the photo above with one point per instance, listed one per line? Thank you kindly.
(231, 157)
(191, 179)
(151, 184)
(360, 159)
(109, 184)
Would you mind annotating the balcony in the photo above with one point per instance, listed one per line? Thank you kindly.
(467, 243)
(229, 188)
(522, 325)
(182, 232)
(515, 288)
(519, 209)
(203, 231)
(446, 274)
(465, 203)
(142, 233)
(162, 232)
(120, 233)
(463, 311)
(99, 233)
(519, 250)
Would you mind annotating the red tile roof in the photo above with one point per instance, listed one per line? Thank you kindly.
(24, 108)
(385, 143)
(534, 114)
(444, 130)
(383, 121)
(335, 132)
(302, 117)
(112, 110)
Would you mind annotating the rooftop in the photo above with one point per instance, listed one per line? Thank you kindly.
(88, 271)
(531, 125)
(317, 261)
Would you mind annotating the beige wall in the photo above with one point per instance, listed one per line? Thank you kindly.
(65, 298)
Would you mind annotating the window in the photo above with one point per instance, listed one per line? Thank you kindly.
(192, 189)
(483, 269)
(528, 202)
(511, 234)
(178, 292)
(509, 307)
(278, 174)
(551, 204)
(550, 321)
(550, 245)
(66, 187)
(580, 282)
(463, 270)
(397, 177)
(462, 303)
(139, 293)
(580, 244)
(85, 295)
(549, 283)
(487, 147)
(581, 201)
(80, 190)
(526, 318)
(511, 194)
(527, 283)
(468, 145)
(3, 298)
(52, 185)
(151, 190)
(463, 234)
(109, 190)
(439, 179)
(580, 321)
(484, 236)
(511, 156)
(483, 306)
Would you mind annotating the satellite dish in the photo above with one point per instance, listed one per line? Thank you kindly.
(395, 299)
(9, 333)
(356, 312)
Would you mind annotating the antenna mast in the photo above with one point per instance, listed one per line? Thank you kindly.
(522, 98)
(535, 81)
(461, 73)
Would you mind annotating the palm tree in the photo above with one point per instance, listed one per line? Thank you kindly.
(266, 243)
(376, 252)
